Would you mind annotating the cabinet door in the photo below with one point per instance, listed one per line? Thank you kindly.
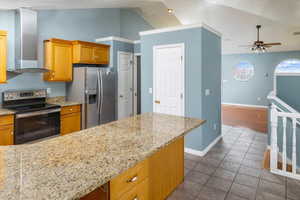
(3, 49)
(7, 135)
(86, 54)
(70, 123)
(62, 62)
(101, 55)
(166, 170)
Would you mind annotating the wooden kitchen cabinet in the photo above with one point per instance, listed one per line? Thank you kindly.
(152, 179)
(70, 119)
(166, 170)
(3, 56)
(90, 53)
(58, 57)
(7, 130)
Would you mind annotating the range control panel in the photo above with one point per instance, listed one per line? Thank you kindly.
(12, 95)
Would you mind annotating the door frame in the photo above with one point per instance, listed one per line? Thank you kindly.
(135, 83)
(118, 68)
(182, 46)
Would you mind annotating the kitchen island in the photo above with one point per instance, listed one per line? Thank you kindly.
(72, 166)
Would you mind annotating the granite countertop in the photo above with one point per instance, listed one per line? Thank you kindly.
(4, 111)
(62, 101)
(71, 166)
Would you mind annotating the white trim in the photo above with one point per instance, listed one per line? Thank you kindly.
(111, 38)
(271, 96)
(245, 105)
(137, 41)
(287, 73)
(182, 45)
(182, 27)
(206, 150)
(137, 54)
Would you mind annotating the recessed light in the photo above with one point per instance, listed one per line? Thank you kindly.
(170, 10)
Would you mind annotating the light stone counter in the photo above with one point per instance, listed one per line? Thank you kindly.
(71, 166)
(61, 101)
(4, 111)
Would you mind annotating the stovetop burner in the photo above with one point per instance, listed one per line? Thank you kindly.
(32, 108)
(23, 101)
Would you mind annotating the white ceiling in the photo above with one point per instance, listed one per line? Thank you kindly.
(235, 19)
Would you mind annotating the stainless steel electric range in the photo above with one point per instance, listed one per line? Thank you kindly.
(34, 118)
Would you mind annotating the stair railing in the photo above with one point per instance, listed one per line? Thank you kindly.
(283, 169)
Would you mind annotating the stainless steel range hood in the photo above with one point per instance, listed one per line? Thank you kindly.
(26, 42)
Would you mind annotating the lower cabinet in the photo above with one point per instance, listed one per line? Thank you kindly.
(70, 119)
(153, 179)
(7, 130)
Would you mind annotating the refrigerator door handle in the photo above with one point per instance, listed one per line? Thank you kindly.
(101, 103)
(99, 94)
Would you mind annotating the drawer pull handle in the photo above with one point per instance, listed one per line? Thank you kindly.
(132, 180)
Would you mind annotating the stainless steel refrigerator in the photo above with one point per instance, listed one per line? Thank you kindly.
(94, 87)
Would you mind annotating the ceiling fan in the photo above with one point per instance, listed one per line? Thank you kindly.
(259, 46)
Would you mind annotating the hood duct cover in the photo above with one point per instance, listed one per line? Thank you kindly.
(26, 42)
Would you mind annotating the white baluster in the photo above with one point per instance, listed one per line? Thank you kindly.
(294, 161)
(274, 147)
(284, 154)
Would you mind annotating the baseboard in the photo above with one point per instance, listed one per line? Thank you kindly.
(205, 151)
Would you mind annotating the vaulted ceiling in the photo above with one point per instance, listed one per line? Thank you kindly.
(235, 19)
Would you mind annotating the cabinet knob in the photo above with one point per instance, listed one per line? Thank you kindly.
(136, 198)
(132, 180)
(12, 133)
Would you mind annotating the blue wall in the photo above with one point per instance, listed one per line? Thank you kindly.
(262, 82)
(195, 62)
(82, 24)
(132, 24)
(211, 79)
(288, 88)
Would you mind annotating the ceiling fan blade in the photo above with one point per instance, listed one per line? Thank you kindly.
(272, 44)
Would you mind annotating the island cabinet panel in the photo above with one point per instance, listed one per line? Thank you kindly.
(98, 194)
(166, 170)
(7, 130)
(70, 119)
(3, 56)
(128, 183)
(90, 53)
(58, 56)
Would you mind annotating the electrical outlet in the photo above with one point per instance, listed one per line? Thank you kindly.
(207, 92)
(48, 90)
(215, 127)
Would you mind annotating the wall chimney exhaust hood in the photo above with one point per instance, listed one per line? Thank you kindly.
(26, 42)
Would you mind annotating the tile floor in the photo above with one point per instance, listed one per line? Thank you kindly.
(232, 170)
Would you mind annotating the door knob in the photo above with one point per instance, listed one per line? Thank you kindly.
(121, 96)
(157, 102)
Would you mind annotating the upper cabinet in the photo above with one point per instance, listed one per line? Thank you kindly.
(3, 56)
(90, 53)
(58, 57)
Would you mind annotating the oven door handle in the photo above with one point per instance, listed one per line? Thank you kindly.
(37, 113)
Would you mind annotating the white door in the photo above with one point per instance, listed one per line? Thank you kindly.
(125, 84)
(168, 79)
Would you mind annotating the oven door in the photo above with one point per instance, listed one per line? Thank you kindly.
(36, 125)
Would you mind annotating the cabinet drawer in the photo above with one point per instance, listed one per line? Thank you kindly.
(70, 109)
(128, 180)
(70, 123)
(6, 135)
(140, 192)
(6, 120)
